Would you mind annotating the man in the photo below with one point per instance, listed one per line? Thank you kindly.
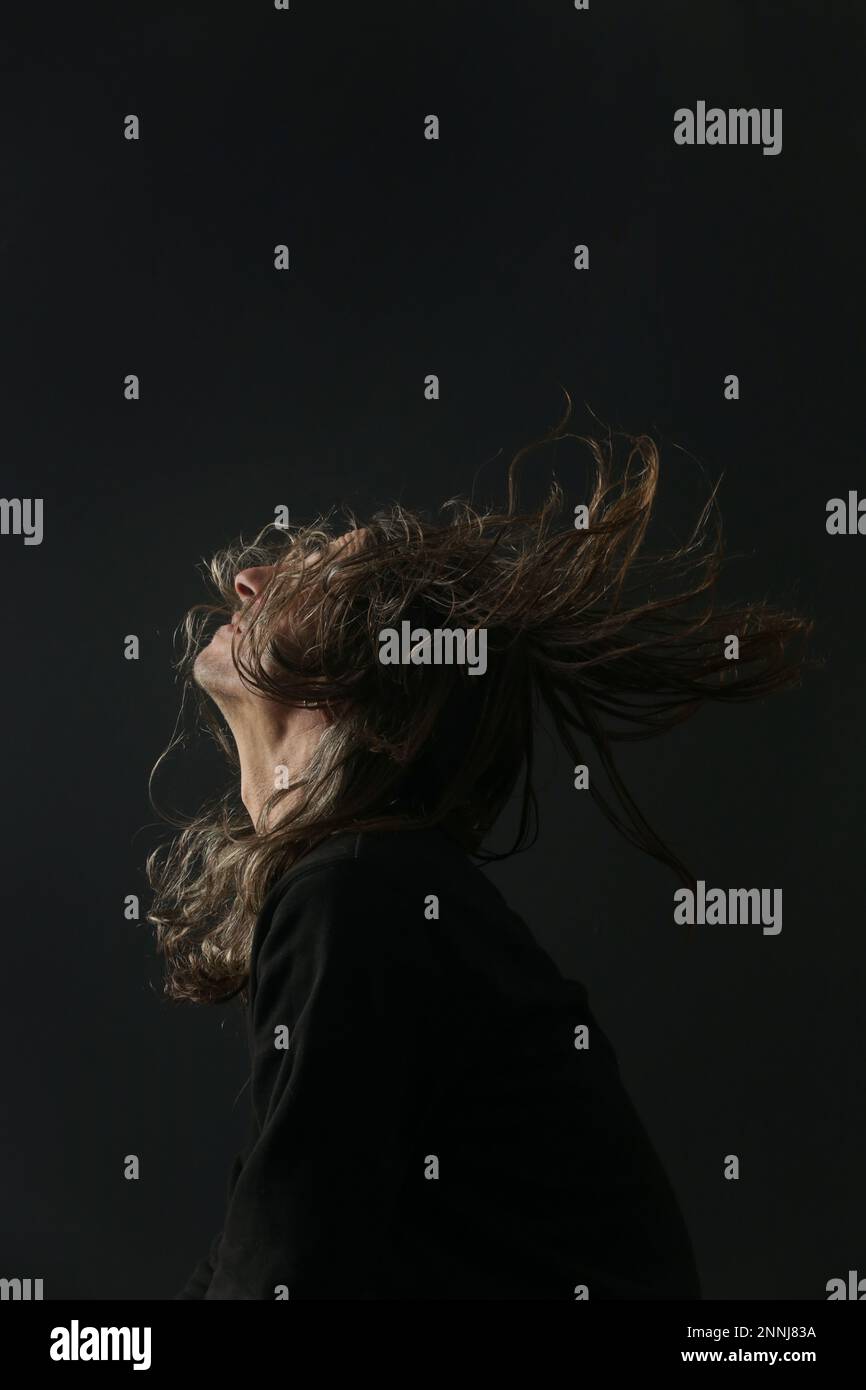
(435, 1111)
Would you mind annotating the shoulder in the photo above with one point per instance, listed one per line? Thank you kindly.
(356, 898)
(392, 863)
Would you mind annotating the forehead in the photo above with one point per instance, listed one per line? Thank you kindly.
(350, 540)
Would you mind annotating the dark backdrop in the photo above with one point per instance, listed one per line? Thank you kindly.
(410, 257)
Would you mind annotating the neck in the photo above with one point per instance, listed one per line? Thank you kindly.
(274, 746)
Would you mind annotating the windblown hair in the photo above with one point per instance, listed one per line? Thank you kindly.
(617, 644)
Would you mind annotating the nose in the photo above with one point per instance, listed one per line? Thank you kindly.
(250, 583)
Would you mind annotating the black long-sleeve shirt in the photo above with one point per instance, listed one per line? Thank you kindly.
(423, 1125)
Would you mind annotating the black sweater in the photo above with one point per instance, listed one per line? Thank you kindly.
(430, 1130)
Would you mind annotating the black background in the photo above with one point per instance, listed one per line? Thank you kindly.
(305, 388)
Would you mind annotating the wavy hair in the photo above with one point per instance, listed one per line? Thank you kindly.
(615, 642)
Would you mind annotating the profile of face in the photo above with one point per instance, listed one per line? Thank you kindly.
(215, 670)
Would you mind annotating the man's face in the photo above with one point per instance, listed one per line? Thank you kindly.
(214, 669)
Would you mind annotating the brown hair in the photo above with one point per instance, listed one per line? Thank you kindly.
(617, 644)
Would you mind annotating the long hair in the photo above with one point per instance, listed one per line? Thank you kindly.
(616, 643)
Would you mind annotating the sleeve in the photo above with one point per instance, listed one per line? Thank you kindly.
(340, 1006)
(198, 1282)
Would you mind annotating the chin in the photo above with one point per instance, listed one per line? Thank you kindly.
(215, 674)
